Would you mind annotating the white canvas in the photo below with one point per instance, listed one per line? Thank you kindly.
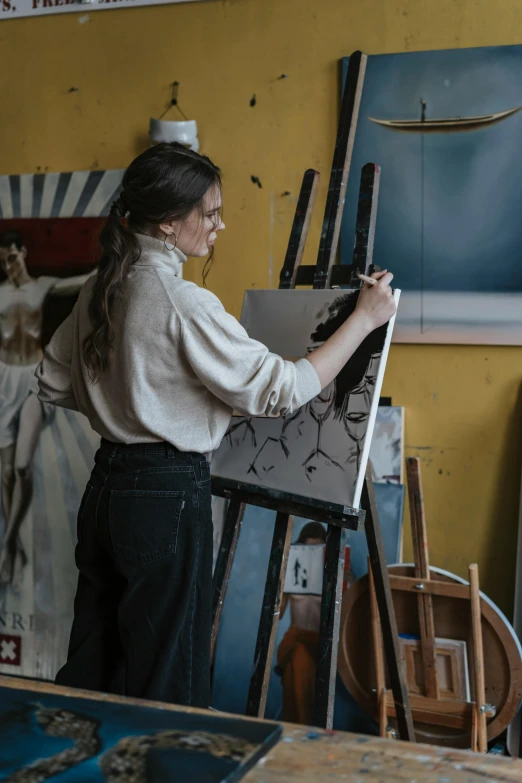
(321, 450)
(387, 449)
(304, 573)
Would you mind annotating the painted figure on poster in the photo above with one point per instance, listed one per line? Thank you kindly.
(297, 653)
(22, 416)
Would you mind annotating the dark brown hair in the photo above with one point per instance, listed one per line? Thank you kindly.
(167, 182)
(311, 530)
(9, 238)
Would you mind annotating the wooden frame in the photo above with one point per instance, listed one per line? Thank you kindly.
(450, 654)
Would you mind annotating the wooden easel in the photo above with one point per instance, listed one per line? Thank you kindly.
(433, 707)
(321, 275)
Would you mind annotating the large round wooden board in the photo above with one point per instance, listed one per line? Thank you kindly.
(502, 651)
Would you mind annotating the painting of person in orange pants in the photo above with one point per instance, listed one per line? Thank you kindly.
(297, 653)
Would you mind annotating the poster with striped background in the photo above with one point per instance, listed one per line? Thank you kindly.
(64, 195)
(56, 217)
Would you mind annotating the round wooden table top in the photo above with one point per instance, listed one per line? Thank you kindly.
(502, 651)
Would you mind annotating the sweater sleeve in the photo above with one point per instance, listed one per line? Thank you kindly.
(54, 371)
(241, 371)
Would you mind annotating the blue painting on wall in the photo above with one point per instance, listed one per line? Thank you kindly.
(240, 619)
(446, 129)
(46, 736)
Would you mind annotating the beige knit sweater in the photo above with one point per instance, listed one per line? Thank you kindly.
(181, 364)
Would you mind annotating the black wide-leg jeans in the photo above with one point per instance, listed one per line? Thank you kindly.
(142, 612)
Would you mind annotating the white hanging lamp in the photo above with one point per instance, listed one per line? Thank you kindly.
(184, 131)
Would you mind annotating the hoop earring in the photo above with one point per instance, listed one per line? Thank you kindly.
(168, 246)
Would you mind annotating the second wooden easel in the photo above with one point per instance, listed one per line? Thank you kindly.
(433, 707)
(321, 275)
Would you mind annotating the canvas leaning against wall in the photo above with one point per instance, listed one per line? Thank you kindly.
(49, 224)
(321, 450)
(445, 127)
(387, 449)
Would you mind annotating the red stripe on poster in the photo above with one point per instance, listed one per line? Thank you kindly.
(58, 246)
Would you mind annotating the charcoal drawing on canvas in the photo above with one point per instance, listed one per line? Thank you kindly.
(319, 450)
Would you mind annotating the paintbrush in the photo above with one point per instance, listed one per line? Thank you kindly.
(366, 279)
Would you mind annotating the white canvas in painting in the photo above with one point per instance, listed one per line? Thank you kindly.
(321, 450)
(304, 573)
(387, 449)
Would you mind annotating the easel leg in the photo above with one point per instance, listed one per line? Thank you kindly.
(390, 632)
(329, 628)
(267, 632)
(225, 560)
(478, 660)
(380, 674)
(474, 731)
(422, 571)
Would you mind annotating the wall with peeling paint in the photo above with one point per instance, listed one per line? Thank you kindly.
(77, 92)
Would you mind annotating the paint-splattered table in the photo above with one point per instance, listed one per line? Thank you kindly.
(315, 756)
(303, 754)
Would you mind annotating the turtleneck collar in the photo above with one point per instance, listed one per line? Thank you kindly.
(154, 253)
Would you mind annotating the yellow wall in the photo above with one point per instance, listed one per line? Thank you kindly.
(462, 412)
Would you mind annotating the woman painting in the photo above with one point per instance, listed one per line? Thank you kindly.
(158, 366)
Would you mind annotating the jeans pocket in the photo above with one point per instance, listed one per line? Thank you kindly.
(204, 473)
(81, 511)
(144, 523)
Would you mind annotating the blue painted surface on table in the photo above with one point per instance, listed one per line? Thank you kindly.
(85, 740)
(241, 612)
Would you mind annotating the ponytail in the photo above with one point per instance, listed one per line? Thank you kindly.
(120, 251)
(167, 182)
